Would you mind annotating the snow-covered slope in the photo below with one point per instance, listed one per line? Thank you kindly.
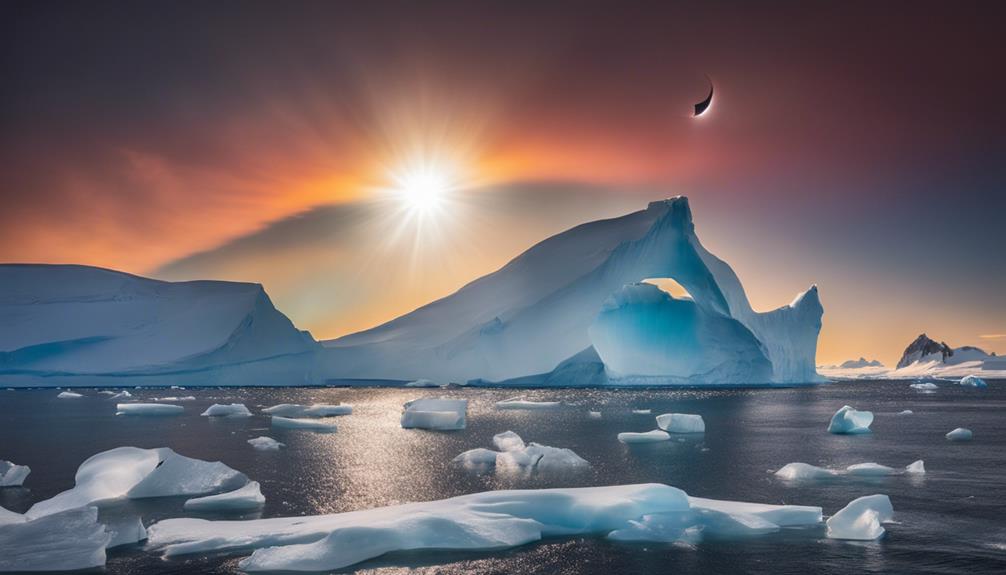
(924, 357)
(64, 324)
(534, 313)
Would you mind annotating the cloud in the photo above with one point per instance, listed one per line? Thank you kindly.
(993, 336)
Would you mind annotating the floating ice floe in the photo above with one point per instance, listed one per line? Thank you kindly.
(805, 471)
(106, 392)
(924, 386)
(513, 454)
(681, 423)
(642, 411)
(224, 410)
(906, 412)
(12, 475)
(438, 414)
(647, 437)
(422, 383)
(68, 395)
(972, 381)
(242, 499)
(264, 443)
(521, 403)
(174, 398)
(960, 434)
(134, 473)
(850, 421)
(861, 519)
(121, 395)
(305, 424)
(594, 414)
(64, 541)
(313, 410)
(148, 409)
(482, 521)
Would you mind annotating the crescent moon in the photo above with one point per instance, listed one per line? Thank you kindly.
(702, 106)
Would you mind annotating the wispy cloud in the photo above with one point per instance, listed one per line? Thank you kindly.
(993, 336)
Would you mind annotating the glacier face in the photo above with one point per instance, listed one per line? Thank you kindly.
(67, 325)
(534, 315)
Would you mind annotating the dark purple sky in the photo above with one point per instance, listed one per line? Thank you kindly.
(859, 145)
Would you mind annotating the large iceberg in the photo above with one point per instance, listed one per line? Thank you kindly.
(134, 473)
(534, 316)
(142, 331)
(489, 520)
(439, 414)
(12, 475)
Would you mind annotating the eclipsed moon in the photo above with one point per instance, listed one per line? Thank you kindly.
(702, 106)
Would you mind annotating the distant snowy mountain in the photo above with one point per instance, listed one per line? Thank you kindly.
(534, 316)
(860, 363)
(925, 357)
(80, 325)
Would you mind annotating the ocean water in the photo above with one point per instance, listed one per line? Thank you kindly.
(952, 520)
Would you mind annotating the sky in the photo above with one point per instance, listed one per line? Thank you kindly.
(855, 145)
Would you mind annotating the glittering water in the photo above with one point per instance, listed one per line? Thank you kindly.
(949, 521)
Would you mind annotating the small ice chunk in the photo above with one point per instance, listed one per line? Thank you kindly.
(477, 458)
(906, 412)
(148, 409)
(540, 457)
(306, 424)
(313, 410)
(508, 441)
(521, 403)
(973, 381)
(594, 414)
(648, 437)
(247, 497)
(924, 386)
(68, 395)
(422, 383)
(438, 414)
(121, 395)
(801, 471)
(106, 392)
(861, 519)
(224, 410)
(681, 423)
(869, 469)
(849, 421)
(642, 411)
(65, 541)
(918, 467)
(264, 443)
(960, 434)
(12, 475)
(513, 454)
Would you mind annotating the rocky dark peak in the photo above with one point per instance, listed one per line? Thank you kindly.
(921, 347)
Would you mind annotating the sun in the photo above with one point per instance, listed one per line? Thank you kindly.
(424, 189)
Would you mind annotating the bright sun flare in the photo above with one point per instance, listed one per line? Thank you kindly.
(424, 189)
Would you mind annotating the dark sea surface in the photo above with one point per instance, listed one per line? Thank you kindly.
(951, 520)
